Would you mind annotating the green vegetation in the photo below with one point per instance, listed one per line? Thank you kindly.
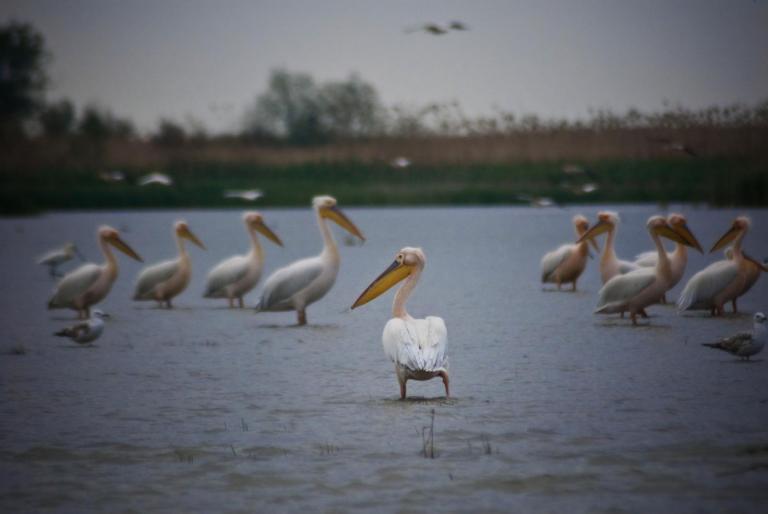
(717, 181)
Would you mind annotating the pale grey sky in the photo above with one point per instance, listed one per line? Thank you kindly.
(208, 59)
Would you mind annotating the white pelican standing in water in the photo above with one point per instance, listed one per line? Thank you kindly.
(55, 258)
(303, 282)
(567, 263)
(722, 281)
(163, 281)
(678, 258)
(416, 346)
(90, 283)
(236, 276)
(636, 290)
(610, 265)
(745, 344)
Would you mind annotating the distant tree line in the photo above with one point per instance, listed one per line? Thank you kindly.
(297, 110)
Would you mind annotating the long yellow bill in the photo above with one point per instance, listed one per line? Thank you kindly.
(123, 247)
(686, 234)
(185, 232)
(726, 239)
(335, 214)
(761, 265)
(267, 232)
(391, 276)
(666, 231)
(595, 230)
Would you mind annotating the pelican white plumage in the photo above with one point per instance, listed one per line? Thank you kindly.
(677, 258)
(85, 332)
(610, 264)
(58, 256)
(567, 263)
(303, 282)
(233, 278)
(90, 283)
(745, 344)
(166, 280)
(754, 269)
(721, 281)
(416, 346)
(636, 290)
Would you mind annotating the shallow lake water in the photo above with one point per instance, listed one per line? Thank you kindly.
(206, 409)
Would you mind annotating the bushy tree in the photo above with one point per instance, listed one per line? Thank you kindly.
(99, 124)
(58, 118)
(169, 133)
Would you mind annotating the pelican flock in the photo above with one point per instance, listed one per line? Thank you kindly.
(567, 263)
(90, 283)
(636, 290)
(164, 281)
(296, 286)
(416, 346)
(233, 278)
(723, 281)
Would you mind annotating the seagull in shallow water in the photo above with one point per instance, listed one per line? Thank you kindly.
(745, 344)
(85, 332)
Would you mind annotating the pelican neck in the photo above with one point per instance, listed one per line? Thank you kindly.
(402, 295)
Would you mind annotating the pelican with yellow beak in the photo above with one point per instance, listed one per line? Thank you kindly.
(90, 283)
(679, 257)
(754, 269)
(236, 276)
(166, 280)
(610, 264)
(636, 290)
(722, 281)
(296, 286)
(416, 346)
(567, 263)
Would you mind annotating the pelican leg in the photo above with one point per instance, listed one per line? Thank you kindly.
(733, 303)
(240, 302)
(643, 313)
(168, 303)
(634, 318)
(444, 376)
(663, 299)
(573, 286)
(402, 389)
(302, 316)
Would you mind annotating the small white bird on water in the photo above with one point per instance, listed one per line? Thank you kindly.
(249, 195)
(85, 332)
(745, 344)
(55, 258)
(166, 280)
(305, 281)
(235, 277)
(160, 179)
(416, 346)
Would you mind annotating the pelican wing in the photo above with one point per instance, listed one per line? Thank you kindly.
(416, 344)
(622, 288)
(74, 284)
(704, 285)
(553, 259)
(227, 272)
(628, 267)
(647, 259)
(286, 282)
(152, 276)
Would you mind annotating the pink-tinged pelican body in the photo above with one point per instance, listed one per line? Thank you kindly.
(753, 270)
(636, 290)
(610, 264)
(235, 277)
(303, 282)
(720, 282)
(164, 281)
(567, 263)
(678, 258)
(90, 283)
(416, 346)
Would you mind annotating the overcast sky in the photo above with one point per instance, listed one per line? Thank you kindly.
(208, 59)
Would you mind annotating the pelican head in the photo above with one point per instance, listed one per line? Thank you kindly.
(680, 225)
(581, 224)
(112, 236)
(255, 221)
(327, 208)
(606, 221)
(739, 226)
(658, 225)
(406, 262)
(182, 230)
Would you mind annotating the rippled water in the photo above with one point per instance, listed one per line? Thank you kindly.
(205, 409)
